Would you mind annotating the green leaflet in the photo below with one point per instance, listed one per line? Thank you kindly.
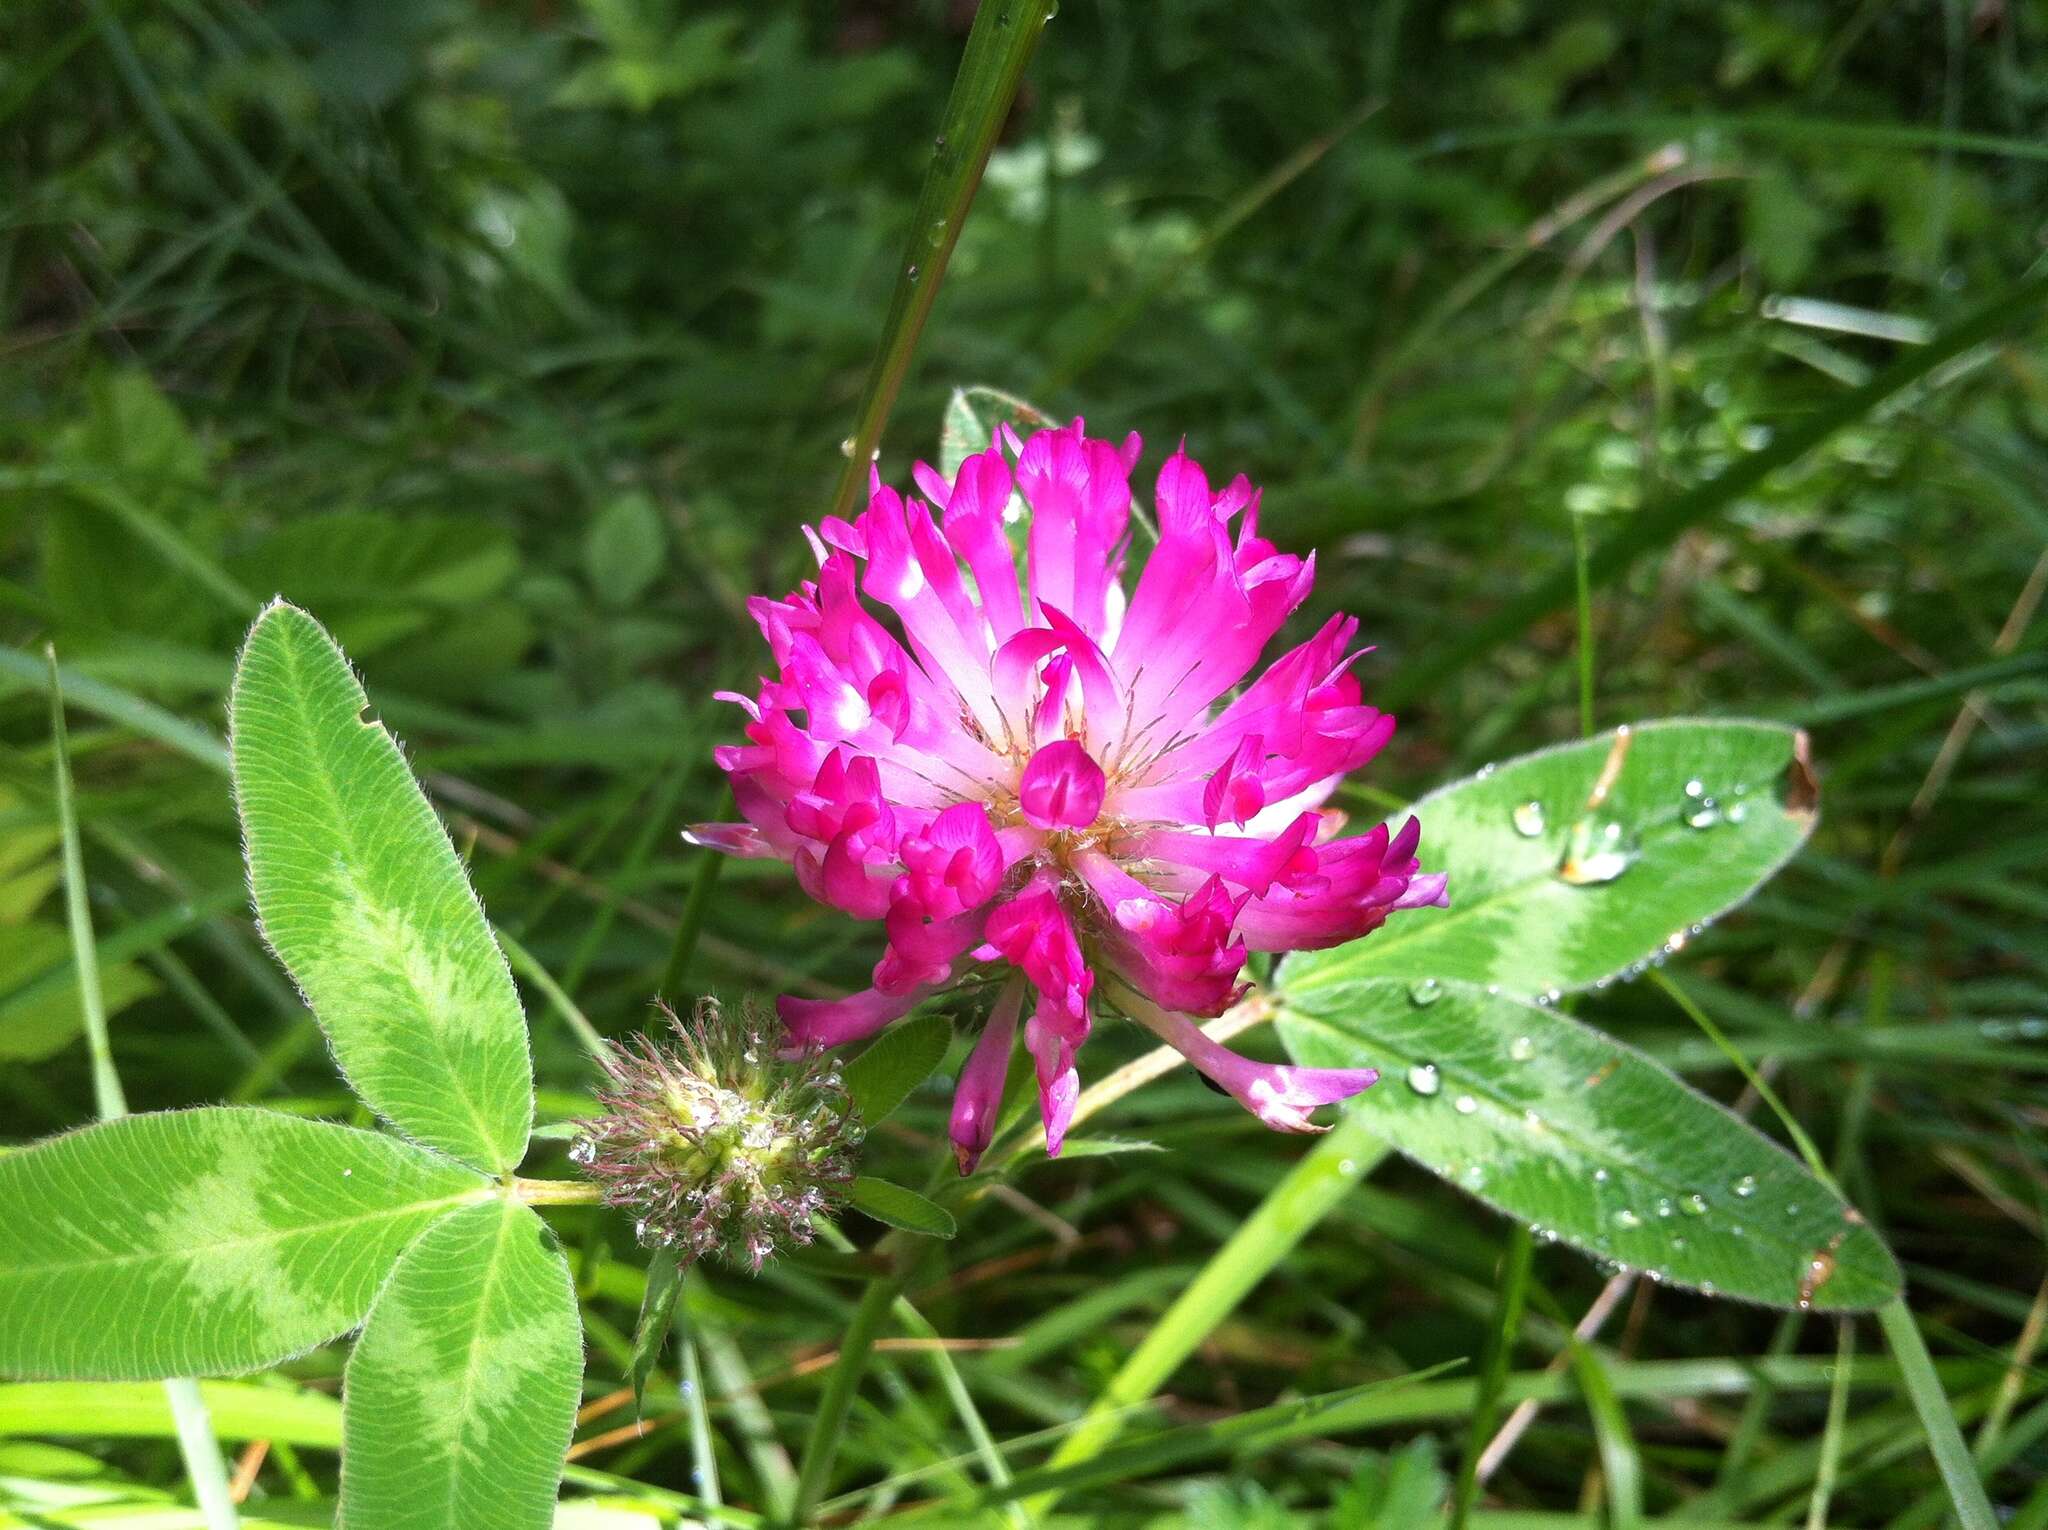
(1572, 865)
(462, 1391)
(363, 899)
(203, 1241)
(1589, 1141)
(895, 1063)
(898, 1206)
(971, 419)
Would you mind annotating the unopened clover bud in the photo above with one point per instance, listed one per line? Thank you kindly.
(721, 1140)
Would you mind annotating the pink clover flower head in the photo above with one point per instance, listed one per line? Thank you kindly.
(1068, 775)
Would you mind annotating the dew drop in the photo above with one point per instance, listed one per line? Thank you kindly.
(584, 1152)
(1521, 1049)
(1599, 1176)
(1664, 1206)
(846, 447)
(1348, 1167)
(1708, 1288)
(1596, 853)
(1424, 993)
(1424, 1079)
(1792, 1210)
(1528, 819)
(1533, 1121)
(1627, 1218)
(1745, 1186)
(1693, 1205)
(1464, 1104)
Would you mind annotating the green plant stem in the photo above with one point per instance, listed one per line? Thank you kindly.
(204, 1467)
(1937, 1418)
(1585, 605)
(528, 966)
(1000, 45)
(1323, 1176)
(703, 1454)
(1515, 1264)
(690, 928)
(1831, 1434)
(821, 1444)
(554, 1192)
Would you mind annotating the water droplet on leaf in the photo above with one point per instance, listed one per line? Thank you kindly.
(1745, 1186)
(1424, 993)
(1529, 819)
(1597, 852)
(1424, 1079)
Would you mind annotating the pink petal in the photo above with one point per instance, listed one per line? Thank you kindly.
(1062, 787)
(1278, 1094)
(978, 1100)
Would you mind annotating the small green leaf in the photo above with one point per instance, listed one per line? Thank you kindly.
(461, 1394)
(362, 897)
(892, 1203)
(1103, 1147)
(1570, 866)
(895, 1063)
(1588, 1140)
(625, 547)
(657, 1312)
(203, 1241)
(970, 422)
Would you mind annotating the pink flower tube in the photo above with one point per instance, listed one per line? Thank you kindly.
(1065, 775)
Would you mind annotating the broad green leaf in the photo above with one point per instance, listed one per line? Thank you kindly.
(888, 1202)
(1589, 1141)
(657, 1312)
(362, 897)
(461, 1394)
(971, 419)
(624, 548)
(1573, 865)
(203, 1241)
(896, 1062)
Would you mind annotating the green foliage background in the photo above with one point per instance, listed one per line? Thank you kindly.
(515, 341)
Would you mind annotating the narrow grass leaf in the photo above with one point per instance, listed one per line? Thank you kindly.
(1576, 864)
(1591, 1142)
(203, 1241)
(363, 899)
(461, 1394)
(657, 1313)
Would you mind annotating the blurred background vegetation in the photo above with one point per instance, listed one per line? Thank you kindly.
(515, 338)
